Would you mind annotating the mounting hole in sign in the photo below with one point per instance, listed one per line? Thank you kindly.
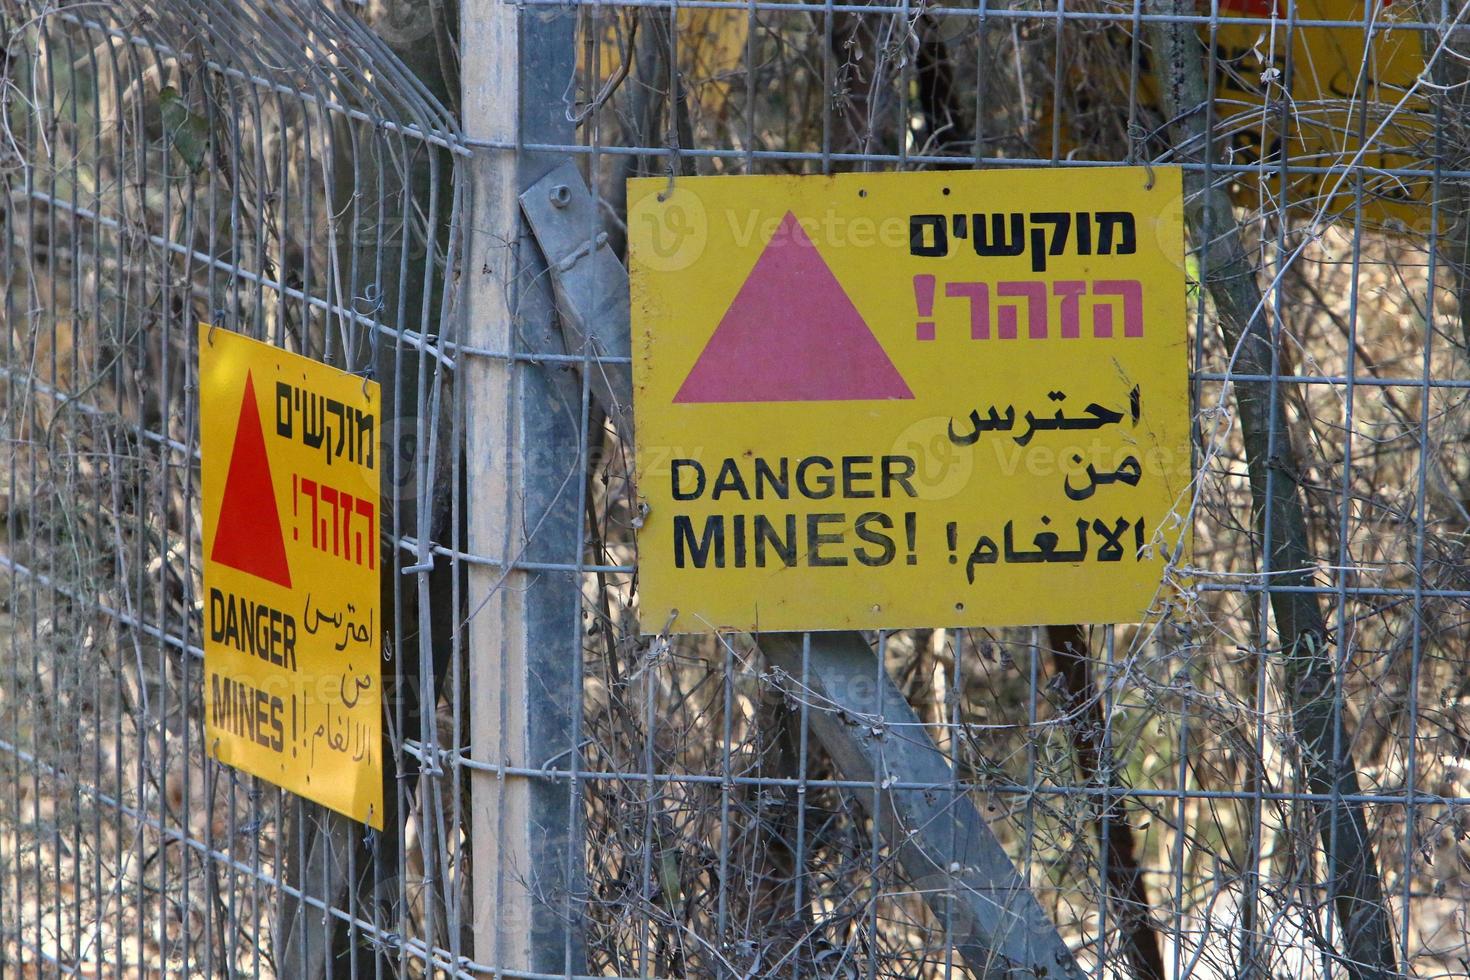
(959, 607)
(946, 192)
(862, 192)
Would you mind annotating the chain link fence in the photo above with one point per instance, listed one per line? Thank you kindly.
(1268, 778)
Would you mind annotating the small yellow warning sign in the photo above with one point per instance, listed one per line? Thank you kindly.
(900, 400)
(292, 626)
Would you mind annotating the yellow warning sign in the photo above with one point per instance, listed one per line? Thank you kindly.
(902, 400)
(292, 625)
(1327, 99)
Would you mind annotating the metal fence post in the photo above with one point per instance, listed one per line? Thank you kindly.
(523, 461)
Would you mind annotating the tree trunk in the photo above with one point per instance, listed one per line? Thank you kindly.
(1311, 683)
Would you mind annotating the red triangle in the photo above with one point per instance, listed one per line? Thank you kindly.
(792, 335)
(248, 535)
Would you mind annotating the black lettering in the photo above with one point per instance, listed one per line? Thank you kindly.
(288, 640)
(231, 719)
(334, 407)
(1061, 223)
(244, 712)
(997, 243)
(765, 533)
(862, 529)
(283, 415)
(314, 420)
(261, 614)
(1107, 221)
(815, 539)
(278, 741)
(699, 551)
(219, 704)
(737, 533)
(252, 627)
(729, 481)
(938, 246)
(262, 717)
(779, 483)
(824, 484)
(232, 624)
(249, 626)
(852, 476)
(216, 616)
(900, 470)
(275, 637)
(1245, 146)
(699, 476)
(366, 423)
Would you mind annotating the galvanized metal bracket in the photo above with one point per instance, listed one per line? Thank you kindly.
(590, 283)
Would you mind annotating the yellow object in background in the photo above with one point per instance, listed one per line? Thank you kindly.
(711, 49)
(1324, 97)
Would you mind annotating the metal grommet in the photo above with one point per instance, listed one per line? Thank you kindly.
(218, 317)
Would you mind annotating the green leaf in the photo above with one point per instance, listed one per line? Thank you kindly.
(187, 132)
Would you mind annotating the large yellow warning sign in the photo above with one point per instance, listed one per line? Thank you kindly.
(292, 626)
(902, 400)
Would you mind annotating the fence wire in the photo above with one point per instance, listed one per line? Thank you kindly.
(272, 169)
(1268, 778)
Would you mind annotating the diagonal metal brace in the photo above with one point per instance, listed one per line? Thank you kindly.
(590, 283)
(943, 843)
(861, 719)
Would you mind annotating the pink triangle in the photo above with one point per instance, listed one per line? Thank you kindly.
(792, 335)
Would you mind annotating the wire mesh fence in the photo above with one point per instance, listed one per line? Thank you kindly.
(1266, 778)
(271, 169)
